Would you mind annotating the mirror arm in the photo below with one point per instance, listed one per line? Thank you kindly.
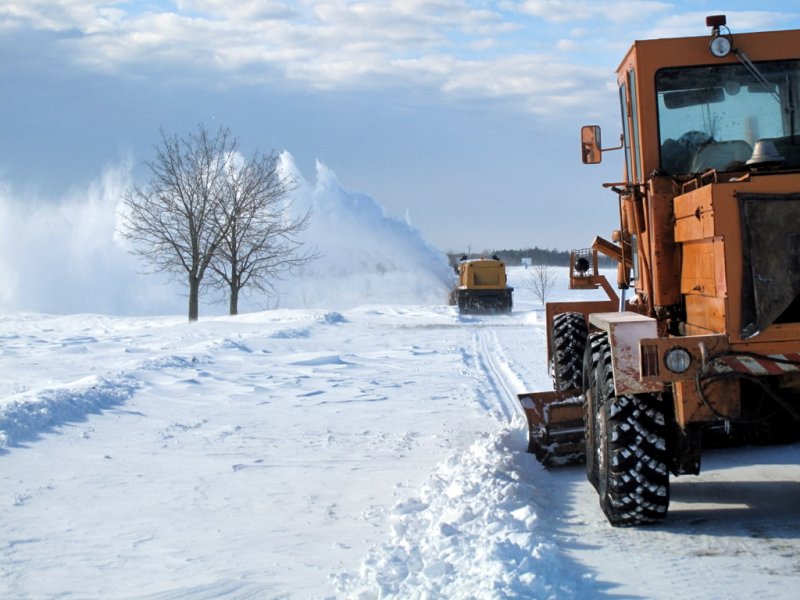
(620, 147)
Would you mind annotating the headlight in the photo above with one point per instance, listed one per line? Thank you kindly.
(678, 360)
(720, 46)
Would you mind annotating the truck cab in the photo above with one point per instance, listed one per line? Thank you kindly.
(700, 112)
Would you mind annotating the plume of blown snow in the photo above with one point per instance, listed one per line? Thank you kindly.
(365, 256)
(64, 255)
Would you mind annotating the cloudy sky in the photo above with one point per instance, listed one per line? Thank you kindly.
(462, 115)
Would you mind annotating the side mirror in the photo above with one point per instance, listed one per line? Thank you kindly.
(591, 148)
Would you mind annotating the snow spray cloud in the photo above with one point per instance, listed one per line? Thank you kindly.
(65, 255)
(366, 257)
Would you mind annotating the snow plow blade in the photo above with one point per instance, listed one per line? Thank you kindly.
(555, 426)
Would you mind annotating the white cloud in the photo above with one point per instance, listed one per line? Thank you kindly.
(545, 84)
(567, 45)
(465, 46)
(240, 10)
(564, 11)
(54, 15)
(340, 41)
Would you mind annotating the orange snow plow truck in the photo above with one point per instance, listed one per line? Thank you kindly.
(707, 345)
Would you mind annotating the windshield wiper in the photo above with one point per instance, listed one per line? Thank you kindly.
(755, 72)
(750, 66)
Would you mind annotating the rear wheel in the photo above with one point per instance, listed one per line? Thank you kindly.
(631, 455)
(569, 341)
(508, 303)
(463, 300)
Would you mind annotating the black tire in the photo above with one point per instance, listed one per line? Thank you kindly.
(596, 345)
(509, 303)
(452, 298)
(463, 302)
(569, 341)
(633, 480)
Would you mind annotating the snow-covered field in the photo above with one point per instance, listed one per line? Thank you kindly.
(369, 452)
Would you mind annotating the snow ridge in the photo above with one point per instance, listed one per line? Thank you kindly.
(25, 417)
(472, 532)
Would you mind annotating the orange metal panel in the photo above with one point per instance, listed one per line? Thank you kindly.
(693, 202)
(704, 268)
(721, 280)
(697, 330)
(706, 312)
(730, 227)
(697, 227)
(698, 269)
(722, 395)
(665, 258)
(694, 215)
(720, 202)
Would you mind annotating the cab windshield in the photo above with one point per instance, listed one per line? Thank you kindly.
(711, 117)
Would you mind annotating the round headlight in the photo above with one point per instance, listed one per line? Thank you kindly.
(720, 46)
(678, 360)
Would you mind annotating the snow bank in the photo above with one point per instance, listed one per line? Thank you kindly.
(471, 532)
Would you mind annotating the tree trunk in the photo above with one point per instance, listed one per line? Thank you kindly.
(234, 303)
(194, 298)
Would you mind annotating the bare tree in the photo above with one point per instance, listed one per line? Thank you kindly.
(541, 282)
(177, 221)
(261, 243)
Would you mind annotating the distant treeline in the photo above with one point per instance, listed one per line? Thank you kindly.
(538, 256)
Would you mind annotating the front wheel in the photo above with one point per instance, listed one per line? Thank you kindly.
(596, 347)
(633, 480)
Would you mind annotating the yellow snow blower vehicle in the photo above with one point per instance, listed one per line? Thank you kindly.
(482, 286)
(709, 243)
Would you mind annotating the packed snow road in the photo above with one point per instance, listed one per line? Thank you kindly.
(372, 453)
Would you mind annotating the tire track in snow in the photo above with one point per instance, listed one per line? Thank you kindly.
(501, 379)
(474, 529)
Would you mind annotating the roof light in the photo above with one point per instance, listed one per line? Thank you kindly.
(721, 43)
(720, 46)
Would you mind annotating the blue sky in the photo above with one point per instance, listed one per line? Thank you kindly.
(463, 115)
